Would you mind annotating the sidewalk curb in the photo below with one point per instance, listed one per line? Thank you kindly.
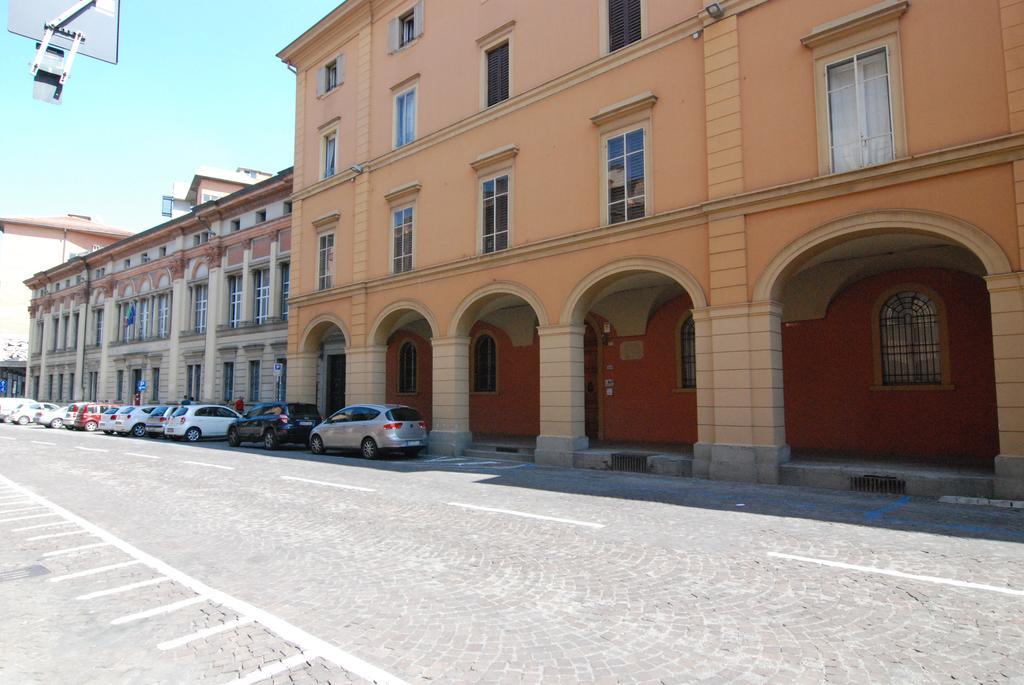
(984, 501)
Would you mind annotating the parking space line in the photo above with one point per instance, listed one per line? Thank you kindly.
(42, 525)
(89, 449)
(58, 535)
(5, 497)
(71, 550)
(330, 485)
(308, 643)
(524, 514)
(204, 633)
(14, 511)
(25, 518)
(899, 574)
(4, 437)
(269, 670)
(124, 588)
(144, 456)
(203, 463)
(94, 571)
(40, 442)
(165, 609)
(14, 501)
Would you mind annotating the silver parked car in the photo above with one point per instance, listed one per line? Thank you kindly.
(158, 418)
(371, 429)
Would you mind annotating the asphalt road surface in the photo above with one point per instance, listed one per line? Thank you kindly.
(138, 561)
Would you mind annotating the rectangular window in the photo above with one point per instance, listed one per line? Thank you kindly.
(330, 77)
(119, 388)
(193, 381)
(285, 289)
(64, 338)
(167, 206)
(402, 236)
(261, 216)
(859, 113)
(406, 29)
(94, 382)
(145, 257)
(495, 219)
(154, 389)
(405, 117)
(49, 387)
(234, 301)
(497, 74)
(287, 207)
(199, 307)
(229, 381)
(625, 23)
(39, 340)
(261, 295)
(163, 318)
(71, 386)
(56, 333)
(162, 251)
(60, 387)
(74, 331)
(330, 154)
(98, 340)
(626, 191)
(144, 319)
(236, 225)
(127, 264)
(325, 264)
(254, 380)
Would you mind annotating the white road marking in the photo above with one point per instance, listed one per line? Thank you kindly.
(123, 588)
(269, 670)
(900, 574)
(144, 456)
(574, 522)
(40, 442)
(330, 485)
(13, 511)
(41, 525)
(94, 571)
(89, 449)
(7, 501)
(6, 497)
(4, 437)
(165, 609)
(206, 632)
(57, 535)
(71, 550)
(310, 645)
(203, 463)
(25, 518)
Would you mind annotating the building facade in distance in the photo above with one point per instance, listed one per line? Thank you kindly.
(764, 228)
(194, 307)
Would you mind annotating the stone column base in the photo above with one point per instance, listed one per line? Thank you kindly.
(448, 443)
(743, 463)
(558, 450)
(1009, 480)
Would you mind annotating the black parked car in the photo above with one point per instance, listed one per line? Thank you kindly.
(275, 423)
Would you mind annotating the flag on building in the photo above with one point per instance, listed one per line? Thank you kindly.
(129, 317)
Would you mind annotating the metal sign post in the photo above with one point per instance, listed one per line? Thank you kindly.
(278, 371)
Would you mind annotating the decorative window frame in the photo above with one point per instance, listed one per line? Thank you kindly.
(680, 386)
(410, 84)
(489, 165)
(399, 198)
(838, 40)
(876, 338)
(472, 364)
(332, 129)
(486, 43)
(614, 120)
(603, 44)
(326, 225)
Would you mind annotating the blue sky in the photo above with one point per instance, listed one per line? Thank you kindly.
(197, 83)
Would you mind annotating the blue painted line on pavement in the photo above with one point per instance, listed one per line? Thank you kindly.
(878, 513)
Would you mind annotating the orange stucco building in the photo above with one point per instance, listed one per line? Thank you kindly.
(751, 231)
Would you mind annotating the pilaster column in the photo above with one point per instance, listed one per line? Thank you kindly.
(450, 433)
(110, 323)
(215, 306)
(179, 315)
(274, 272)
(80, 352)
(365, 374)
(1006, 294)
(746, 386)
(562, 392)
(303, 368)
(248, 294)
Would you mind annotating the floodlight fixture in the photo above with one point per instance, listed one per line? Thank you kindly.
(715, 10)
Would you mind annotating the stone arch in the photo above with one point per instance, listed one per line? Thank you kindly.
(200, 269)
(475, 303)
(314, 331)
(146, 285)
(583, 295)
(863, 224)
(127, 289)
(165, 279)
(395, 315)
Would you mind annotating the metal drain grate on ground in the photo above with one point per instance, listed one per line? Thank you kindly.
(26, 572)
(887, 485)
(630, 463)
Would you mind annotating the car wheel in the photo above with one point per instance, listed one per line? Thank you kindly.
(139, 430)
(316, 445)
(22, 420)
(411, 451)
(270, 440)
(91, 426)
(233, 437)
(193, 434)
(56, 423)
(369, 448)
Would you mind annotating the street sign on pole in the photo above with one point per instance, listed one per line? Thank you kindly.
(141, 387)
(3, 387)
(278, 369)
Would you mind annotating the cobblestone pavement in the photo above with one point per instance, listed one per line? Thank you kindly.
(463, 571)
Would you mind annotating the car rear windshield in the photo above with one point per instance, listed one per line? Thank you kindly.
(158, 411)
(303, 409)
(404, 414)
(126, 410)
(112, 410)
(180, 411)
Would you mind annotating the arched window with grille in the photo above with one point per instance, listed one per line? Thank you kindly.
(407, 368)
(485, 365)
(909, 340)
(687, 355)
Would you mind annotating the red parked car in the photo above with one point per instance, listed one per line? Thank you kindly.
(85, 416)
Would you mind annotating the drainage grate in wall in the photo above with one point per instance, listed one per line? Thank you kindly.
(630, 463)
(887, 485)
(25, 572)
(507, 450)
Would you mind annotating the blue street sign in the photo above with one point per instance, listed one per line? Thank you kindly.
(3, 387)
(141, 386)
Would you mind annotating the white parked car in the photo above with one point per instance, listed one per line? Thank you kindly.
(106, 423)
(24, 414)
(49, 416)
(196, 421)
(132, 420)
(9, 404)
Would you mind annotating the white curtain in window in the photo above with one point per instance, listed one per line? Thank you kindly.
(873, 75)
(860, 121)
(842, 105)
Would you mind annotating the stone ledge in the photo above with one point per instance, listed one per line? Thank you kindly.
(984, 501)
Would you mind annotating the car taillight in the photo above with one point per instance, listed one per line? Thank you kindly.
(423, 424)
(162, 419)
(283, 418)
(391, 426)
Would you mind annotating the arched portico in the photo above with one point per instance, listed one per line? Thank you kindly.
(400, 357)
(318, 372)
